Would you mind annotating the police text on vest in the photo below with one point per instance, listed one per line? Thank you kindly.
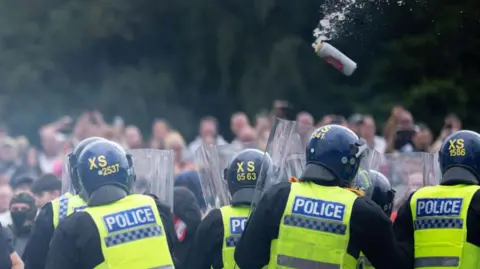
(237, 225)
(439, 207)
(129, 219)
(318, 208)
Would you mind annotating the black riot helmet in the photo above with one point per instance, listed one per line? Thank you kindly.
(73, 161)
(381, 191)
(243, 172)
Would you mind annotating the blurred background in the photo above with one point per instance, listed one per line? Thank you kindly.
(176, 74)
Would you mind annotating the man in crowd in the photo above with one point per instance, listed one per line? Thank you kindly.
(208, 132)
(368, 130)
(133, 137)
(22, 184)
(238, 122)
(8, 256)
(23, 211)
(46, 188)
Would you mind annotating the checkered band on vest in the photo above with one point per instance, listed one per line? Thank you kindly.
(315, 224)
(132, 235)
(438, 223)
(232, 240)
(63, 208)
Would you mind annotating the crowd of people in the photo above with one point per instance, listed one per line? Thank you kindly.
(29, 176)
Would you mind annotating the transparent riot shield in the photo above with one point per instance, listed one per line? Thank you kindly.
(286, 148)
(362, 182)
(154, 171)
(408, 172)
(67, 186)
(210, 166)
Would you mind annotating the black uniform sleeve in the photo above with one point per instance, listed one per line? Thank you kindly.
(473, 220)
(371, 230)
(5, 250)
(167, 219)
(206, 250)
(37, 247)
(253, 249)
(403, 229)
(75, 244)
(9, 239)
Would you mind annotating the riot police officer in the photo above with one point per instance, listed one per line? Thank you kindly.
(377, 187)
(316, 222)
(439, 224)
(218, 233)
(54, 211)
(117, 229)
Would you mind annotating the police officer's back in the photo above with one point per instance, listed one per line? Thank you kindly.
(53, 212)
(218, 233)
(316, 222)
(116, 230)
(439, 224)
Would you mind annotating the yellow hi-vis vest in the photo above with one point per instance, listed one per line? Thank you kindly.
(234, 220)
(440, 222)
(132, 234)
(66, 205)
(314, 232)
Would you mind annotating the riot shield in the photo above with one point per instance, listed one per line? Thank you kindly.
(408, 172)
(67, 186)
(210, 165)
(154, 171)
(286, 148)
(362, 182)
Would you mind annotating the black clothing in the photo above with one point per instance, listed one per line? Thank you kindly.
(206, 251)
(6, 249)
(76, 243)
(403, 227)
(36, 250)
(187, 218)
(370, 232)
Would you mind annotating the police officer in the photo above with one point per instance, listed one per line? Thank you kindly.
(439, 224)
(117, 229)
(218, 233)
(316, 222)
(378, 188)
(54, 211)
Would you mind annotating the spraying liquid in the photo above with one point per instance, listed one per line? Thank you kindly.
(330, 27)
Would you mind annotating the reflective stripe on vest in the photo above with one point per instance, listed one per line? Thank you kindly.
(314, 232)
(132, 234)
(439, 215)
(234, 219)
(65, 205)
(364, 263)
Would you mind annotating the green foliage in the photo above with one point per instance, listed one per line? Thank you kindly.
(183, 59)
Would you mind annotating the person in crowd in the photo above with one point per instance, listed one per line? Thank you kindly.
(47, 188)
(422, 138)
(114, 217)
(208, 132)
(452, 123)
(187, 217)
(191, 181)
(248, 138)
(52, 143)
(23, 211)
(305, 118)
(133, 137)
(368, 130)
(399, 131)
(9, 158)
(174, 141)
(281, 109)
(218, 233)
(262, 123)
(284, 231)
(9, 258)
(238, 122)
(6, 195)
(437, 224)
(355, 121)
(30, 160)
(22, 184)
(160, 130)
